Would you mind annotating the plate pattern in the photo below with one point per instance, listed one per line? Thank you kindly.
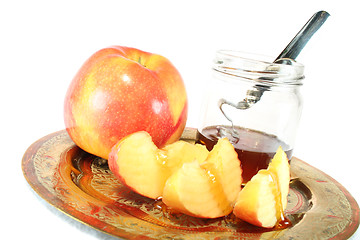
(82, 186)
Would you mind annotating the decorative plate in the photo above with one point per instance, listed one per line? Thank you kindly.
(82, 186)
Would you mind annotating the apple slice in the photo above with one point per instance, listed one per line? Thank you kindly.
(280, 166)
(226, 165)
(257, 201)
(190, 191)
(263, 200)
(209, 189)
(139, 164)
(134, 161)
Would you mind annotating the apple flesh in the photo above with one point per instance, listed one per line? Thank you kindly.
(136, 162)
(263, 200)
(188, 177)
(139, 164)
(224, 159)
(180, 152)
(191, 191)
(280, 167)
(119, 91)
(208, 189)
(199, 183)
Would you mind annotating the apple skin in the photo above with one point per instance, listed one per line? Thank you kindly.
(122, 90)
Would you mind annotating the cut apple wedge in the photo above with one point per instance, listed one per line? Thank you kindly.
(263, 200)
(209, 189)
(190, 191)
(223, 161)
(139, 164)
(280, 166)
(134, 160)
(257, 201)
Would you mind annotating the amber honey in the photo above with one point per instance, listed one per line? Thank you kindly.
(255, 149)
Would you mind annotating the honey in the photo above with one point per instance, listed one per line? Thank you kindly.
(255, 149)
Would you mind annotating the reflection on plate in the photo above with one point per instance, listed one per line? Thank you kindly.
(81, 185)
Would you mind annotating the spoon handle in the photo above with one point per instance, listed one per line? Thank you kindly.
(293, 49)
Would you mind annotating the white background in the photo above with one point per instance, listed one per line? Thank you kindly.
(44, 43)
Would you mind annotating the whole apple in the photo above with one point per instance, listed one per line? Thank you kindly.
(122, 90)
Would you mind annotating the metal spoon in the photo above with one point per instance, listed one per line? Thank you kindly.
(294, 48)
(291, 51)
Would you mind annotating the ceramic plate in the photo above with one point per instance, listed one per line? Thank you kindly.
(82, 186)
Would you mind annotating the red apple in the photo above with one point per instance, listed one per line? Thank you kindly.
(122, 90)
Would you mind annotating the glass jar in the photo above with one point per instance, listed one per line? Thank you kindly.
(255, 103)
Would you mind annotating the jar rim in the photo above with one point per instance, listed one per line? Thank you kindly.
(258, 67)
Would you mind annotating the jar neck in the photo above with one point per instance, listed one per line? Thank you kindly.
(236, 66)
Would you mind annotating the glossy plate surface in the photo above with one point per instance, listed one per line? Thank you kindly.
(82, 186)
